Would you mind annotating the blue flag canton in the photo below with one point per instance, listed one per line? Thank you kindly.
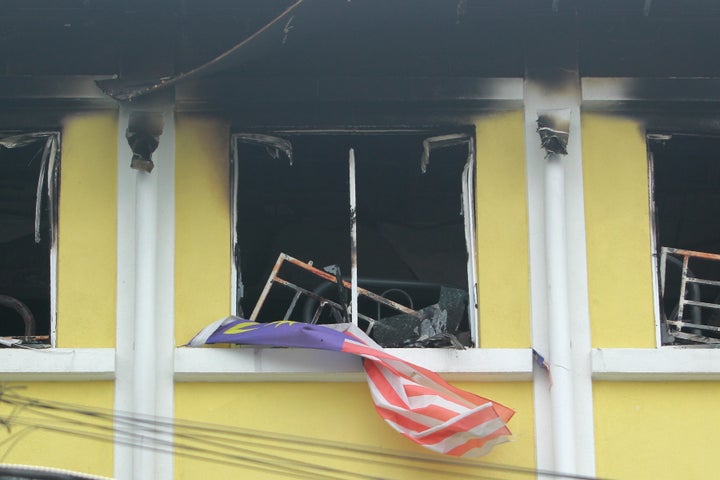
(282, 333)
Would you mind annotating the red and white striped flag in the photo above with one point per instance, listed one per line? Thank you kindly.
(413, 400)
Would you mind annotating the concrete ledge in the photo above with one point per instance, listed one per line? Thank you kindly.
(212, 90)
(656, 364)
(57, 364)
(287, 364)
(264, 364)
(596, 90)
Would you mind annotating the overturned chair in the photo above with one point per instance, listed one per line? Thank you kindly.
(691, 319)
(395, 325)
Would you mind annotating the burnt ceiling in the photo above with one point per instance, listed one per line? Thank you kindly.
(448, 38)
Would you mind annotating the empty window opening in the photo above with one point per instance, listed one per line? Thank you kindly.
(412, 231)
(28, 170)
(686, 204)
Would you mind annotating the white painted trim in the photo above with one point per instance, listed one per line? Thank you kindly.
(145, 296)
(468, 202)
(164, 288)
(125, 296)
(202, 93)
(599, 90)
(50, 174)
(47, 88)
(467, 180)
(535, 180)
(53, 293)
(57, 364)
(234, 271)
(53, 184)
(555, 188)
(144, 360)
(659, 364)
(287, 364)
(562, 403)
(578, 302)
(653, 246)
(353, 239)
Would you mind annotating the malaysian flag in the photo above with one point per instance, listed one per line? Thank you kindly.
(413, 400)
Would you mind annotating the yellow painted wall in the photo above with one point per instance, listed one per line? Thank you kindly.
(24, 444)
(502, 232)
(87, 231)
(341, 411)
(202, 223)
(617, 219)
(202, 268)
(338, 412)
(655, 430)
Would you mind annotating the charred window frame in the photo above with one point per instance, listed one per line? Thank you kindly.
(415, 217)
(29, 183)
(684, 171)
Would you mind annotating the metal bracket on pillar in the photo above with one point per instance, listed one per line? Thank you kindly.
(554, 130)
(143, 136)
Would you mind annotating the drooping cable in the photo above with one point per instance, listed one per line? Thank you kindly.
(232, 446)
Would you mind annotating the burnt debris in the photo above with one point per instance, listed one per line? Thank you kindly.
(554, 128)
(388, 322)
(143, 136)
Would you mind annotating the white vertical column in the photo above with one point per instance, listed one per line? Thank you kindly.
(144, 361)
(577, 295)
(535, 171)
(164, 301)
(144, 375)
(125, 314)
(559, 341)
(558, 279)
(353, 239)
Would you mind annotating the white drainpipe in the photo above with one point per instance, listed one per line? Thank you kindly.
(144, 365)
(558, 281)
(560, 354)
(144, 352)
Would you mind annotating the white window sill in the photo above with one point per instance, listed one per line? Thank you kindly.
(656, 364)
(57, 364)
(289, 364)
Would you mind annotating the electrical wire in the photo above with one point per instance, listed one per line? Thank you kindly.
(259, 458)
(275, 438)
(237, 447)
(13, 440)
(238, 463)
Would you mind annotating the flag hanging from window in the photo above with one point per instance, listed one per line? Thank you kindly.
(413, 400)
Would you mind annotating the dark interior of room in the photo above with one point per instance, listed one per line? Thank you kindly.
(411, 233)
(686, 185)
(24, 264)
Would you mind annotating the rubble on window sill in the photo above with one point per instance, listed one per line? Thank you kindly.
(33, 343)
